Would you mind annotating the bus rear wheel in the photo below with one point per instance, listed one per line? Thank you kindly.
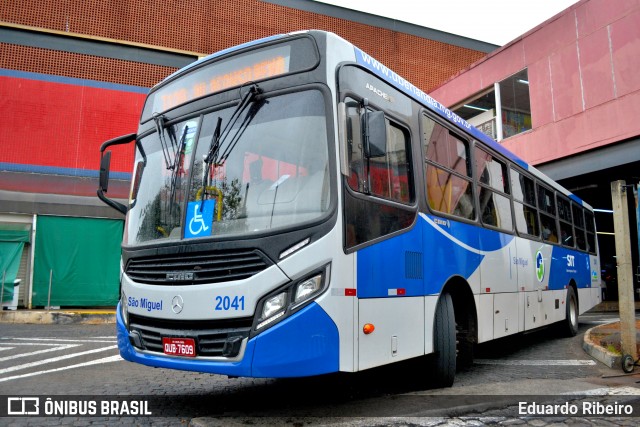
(444, 343)
(569, 326)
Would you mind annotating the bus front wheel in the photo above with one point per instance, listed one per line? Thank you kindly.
(444, 343)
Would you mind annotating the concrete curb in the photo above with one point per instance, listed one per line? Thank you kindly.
(600, 353)
(49, 317)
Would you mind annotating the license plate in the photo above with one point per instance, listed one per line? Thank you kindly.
(179, 346)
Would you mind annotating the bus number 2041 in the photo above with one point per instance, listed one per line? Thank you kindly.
(226, 303)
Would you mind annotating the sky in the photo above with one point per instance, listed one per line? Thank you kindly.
(492, 21)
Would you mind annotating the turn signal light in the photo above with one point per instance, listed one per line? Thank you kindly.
(368, 328)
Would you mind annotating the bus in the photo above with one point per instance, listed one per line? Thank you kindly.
(297, 209)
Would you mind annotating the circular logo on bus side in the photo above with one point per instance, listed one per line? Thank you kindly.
(539, 266)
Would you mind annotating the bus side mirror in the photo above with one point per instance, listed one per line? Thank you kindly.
(375, 134)
(105, 163)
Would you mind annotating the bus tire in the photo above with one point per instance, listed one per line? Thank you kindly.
(569, 326)
(444, 343)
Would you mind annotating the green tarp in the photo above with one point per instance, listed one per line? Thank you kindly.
(10, 254)
(82, 258)
(14, 236)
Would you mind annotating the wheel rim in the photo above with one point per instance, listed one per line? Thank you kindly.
(573, 312)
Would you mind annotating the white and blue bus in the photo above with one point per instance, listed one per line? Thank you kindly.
(298, 209)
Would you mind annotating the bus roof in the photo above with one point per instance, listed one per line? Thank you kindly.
(386, 74)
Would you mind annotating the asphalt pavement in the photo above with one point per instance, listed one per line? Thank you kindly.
(599, 341)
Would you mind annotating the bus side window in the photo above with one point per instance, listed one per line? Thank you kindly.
(547, 207)
(493, 186)
(354, 141)
(564, 214)
(591, 231)
(578, 223)
(387, 178)
(524, 202)
(448, 175)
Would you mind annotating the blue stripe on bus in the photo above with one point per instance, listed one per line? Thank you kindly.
(447, 247)
(568, 264)
(576, 199)
(304, 344)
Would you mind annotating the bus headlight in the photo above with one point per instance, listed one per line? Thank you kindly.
(307, 288)
(123, 309)
(274, 304)
(291, 298)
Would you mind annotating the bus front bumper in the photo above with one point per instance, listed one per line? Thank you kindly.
(304, 344)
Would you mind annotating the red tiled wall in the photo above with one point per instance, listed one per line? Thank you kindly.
(207, 26)
(62, 125)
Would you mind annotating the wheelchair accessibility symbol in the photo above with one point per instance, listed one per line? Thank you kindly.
(199, 220)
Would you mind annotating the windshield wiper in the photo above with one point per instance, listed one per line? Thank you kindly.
(175, 167)
(166, 153)
(213, 156)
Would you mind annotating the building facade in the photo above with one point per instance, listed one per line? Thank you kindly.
(74, 74)
(565, 97)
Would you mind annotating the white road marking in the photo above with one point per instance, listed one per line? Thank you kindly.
(6, 348)
(574, 362)
(58, 339)
(27, 343)
(609, 391)
(46, 350)
(55, 359)
(79, 365)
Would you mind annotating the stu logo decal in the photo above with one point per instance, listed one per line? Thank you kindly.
(539, 266)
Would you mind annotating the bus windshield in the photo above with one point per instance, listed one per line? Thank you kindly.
(270, 171)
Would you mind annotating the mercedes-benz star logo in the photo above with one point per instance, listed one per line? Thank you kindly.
(177, 303)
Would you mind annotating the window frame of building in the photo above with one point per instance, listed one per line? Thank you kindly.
(511, 108)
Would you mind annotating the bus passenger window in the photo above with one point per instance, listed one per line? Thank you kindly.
(526, 219)
(566, 228)
(389, 174)
(449, 185)
(578, 223)
(524, 204)
(385, 176)
(549, 228)
(495, 207)
(449, 193)
(546, 201)
(591, 231)
(354, 141)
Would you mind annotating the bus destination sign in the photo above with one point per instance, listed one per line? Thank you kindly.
(218, 76)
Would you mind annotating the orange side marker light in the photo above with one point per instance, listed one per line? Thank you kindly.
(368, 328)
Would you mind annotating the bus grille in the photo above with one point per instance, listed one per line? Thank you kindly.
(210, 335)
(197, 268)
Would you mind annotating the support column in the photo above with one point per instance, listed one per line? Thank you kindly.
(625, 268)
